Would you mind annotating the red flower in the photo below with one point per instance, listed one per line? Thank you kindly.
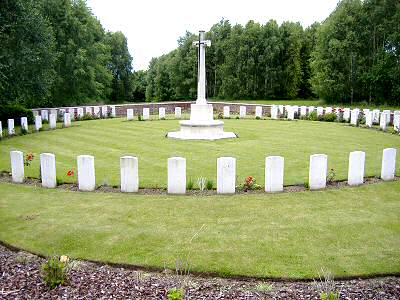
(30, 157)
(70, 173)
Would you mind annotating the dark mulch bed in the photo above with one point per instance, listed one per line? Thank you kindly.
(21, 279)
(6, 177)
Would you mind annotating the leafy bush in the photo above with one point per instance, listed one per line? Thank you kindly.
(175, 294)
(331, 117)
(140, 118)
(189, 184)
(258, 118)
(249, 184)
(24, 131)
(209, 184)
(15, 111)
(313, 116)
(220, 115)
(55, 272)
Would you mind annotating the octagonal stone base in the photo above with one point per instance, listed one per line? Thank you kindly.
(201, 130)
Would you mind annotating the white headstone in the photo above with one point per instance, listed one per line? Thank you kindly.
(311, 109)
(287, 108)
(227, 112)
(129, 114)
(178, 112)
(356, 168)
(45, 114)
(320, 111)
(113, 111)
(176, 175)
(354, 117)
(226, 175)
(242, 112)
(11, 128)
(17, 166)
(80, 112)
(161, 113)
(38, 123)
(290, 113)
(24, 123)
(383, 121)
(303, 111)
(328, 110)
(365, 111)
(274, 111)
(368, 119)
(346, 114)
(129, 174)
(274, 169)
(388, 169)
(146, 113)
(53, 111)
(295, 110)
(104, 111)
(71, 112)
(88, 110)
(53, 121)
(259, 111)
(396, 122)
(280, 110)
(376, 115)
(388, 113)
(48, 170)
(1, 130)
(86, 173)
(318, 171)
(67, 120)
(96, 111)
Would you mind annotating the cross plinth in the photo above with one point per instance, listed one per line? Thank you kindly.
(201, 77)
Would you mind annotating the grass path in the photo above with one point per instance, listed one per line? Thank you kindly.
(351, 231)
(110, 139)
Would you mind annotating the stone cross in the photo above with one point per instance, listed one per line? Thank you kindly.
(201, 78)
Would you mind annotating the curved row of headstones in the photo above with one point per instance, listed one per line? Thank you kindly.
(226, 171)
(291, 112)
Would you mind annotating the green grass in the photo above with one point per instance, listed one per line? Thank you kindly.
(110, 139)
(350, 231)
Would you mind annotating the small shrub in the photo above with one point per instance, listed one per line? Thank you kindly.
(220, 115)
(326, 286)
(313, 116)
(258, 118)
(392, 131)
(209, 184)
(331, 176)
(162, 118)
(140, 118)
(237, 117)
(329, 296)
(28, 159)
(189, 184)
(55, 272)
(249, 184)
(175, 294)
(24, 131)
(306, 185)
(59, 181)
(44, 121)
(331, 117)
(87, 117)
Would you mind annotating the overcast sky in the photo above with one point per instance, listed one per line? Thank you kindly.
(153, 27)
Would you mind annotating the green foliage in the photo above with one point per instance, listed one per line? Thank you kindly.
(190, 184)
(175, 294)
(258, 118)
(86, 117)
(329, 296)
(313, 116)
(55, 272)
(357, 52)
(306, 185)
(264, 287)
(15, 111)
(330, 117)
(24, 131)
(209, 184)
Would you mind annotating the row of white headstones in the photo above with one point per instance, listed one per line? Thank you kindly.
(226, 171)
(277, 111)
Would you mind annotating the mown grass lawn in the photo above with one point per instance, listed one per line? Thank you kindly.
(110, 139)
(350, 231)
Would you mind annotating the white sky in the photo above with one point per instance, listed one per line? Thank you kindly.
(153, 27)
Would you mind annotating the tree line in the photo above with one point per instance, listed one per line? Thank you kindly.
(56, 53)
(353, 56)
